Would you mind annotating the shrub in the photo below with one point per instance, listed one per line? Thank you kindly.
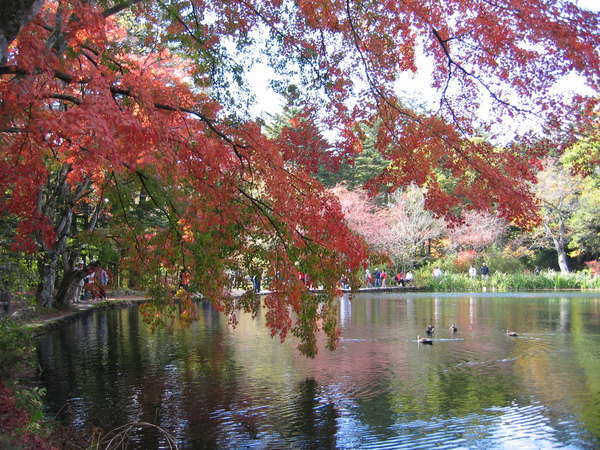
(500, 262)
(21, 412)
(464, 259)
(16, 349)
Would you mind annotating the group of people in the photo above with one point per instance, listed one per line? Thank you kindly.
(484, 271)
(379, 278)
(94, 283)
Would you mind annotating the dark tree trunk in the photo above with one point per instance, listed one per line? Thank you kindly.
(47, 267)
(14, 14)
(68, 291)
(60, 209)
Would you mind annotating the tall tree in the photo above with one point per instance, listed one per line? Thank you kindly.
(558, 193)
(584, 158)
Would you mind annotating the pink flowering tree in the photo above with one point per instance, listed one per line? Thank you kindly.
(410, 226)
(479, 230)
(399, 229)
(362, 215)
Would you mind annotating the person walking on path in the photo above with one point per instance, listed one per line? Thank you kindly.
(256, 283)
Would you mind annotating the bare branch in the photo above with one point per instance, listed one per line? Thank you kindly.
(119, 7)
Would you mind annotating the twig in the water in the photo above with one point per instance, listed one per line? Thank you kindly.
(118, 438)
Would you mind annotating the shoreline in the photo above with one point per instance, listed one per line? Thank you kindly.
(44, 324)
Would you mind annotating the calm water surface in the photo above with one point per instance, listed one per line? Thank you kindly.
(216, 387)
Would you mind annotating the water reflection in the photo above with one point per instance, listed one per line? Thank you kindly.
(212, 386)
(345, 310)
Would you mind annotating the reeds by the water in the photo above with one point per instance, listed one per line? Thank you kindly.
(510, 281)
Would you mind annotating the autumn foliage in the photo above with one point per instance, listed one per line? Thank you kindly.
(478, 230)
(594, 267)
(97, 97)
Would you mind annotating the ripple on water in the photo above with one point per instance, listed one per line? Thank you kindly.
(500, 427)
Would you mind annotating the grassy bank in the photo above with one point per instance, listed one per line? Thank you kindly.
(22, 422)
(509, 282)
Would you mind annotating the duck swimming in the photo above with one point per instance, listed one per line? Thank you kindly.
(511, 333)
(423, 340)
(430, 329)
(453, 328)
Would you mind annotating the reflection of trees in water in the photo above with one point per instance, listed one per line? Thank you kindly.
(311, 417)
(105, 370)
(586, 355)
(345, 311)
(457, 392)
(215, 387)
(564, 314)
(377, 411)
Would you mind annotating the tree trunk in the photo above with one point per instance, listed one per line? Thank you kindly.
(14, 14)
(69, 291)
(562, 255)
(47, 268)
(560, 243)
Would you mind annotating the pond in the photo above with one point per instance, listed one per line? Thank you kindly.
(213, 386)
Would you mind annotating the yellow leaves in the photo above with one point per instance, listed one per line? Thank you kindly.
(187, 233)
(518, 252)
(82, 35)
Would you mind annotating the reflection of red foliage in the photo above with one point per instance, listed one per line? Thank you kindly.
(13, 418)
(594, 266)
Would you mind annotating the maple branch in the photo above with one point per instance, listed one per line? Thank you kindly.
(374, 88)
(14, 70)
(284, 37)
(363, 58)
(257, 204)
(143, 177)
(15, 15)
(119, 7)
(11, 70)
(66, 97)
(444, 100)
(234, 145)
(444, 44)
